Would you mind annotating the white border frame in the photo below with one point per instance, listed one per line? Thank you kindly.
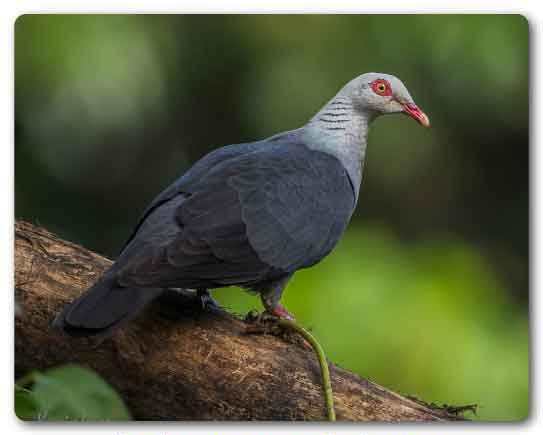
(532, 9)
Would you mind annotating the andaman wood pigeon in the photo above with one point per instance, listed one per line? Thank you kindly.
(249, 214)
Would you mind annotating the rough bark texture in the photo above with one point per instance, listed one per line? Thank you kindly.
(190, 368)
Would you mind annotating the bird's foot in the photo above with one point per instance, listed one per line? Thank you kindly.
(281, 312)
(207, 302)
(267, 321)
(188, 303)
(270, 315)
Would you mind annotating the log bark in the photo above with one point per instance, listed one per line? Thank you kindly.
(204, 367)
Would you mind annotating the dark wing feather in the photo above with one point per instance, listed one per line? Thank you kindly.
(247, 220)
(196, 171)
(295, 203)
(195, 240)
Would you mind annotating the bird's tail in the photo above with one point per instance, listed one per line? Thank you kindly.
(103, 308)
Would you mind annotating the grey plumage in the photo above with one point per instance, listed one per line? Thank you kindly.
(247, 214)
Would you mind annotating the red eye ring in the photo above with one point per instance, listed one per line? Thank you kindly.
(381, 87)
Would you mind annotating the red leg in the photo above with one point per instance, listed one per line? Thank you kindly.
(281, 312)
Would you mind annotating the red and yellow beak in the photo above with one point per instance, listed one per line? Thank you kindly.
(418, 115)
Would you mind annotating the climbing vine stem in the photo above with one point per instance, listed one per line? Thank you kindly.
(325, 372)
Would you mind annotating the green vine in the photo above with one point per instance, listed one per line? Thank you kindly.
(325, 372)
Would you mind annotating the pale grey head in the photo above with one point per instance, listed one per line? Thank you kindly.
(340, 128)
(379, 94)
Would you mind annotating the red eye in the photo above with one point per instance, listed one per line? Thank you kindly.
(381, 87)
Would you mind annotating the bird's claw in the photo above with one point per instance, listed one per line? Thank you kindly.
(266, 322)
(278, 312)
(259, 319)
(208, 303)
(281, 312)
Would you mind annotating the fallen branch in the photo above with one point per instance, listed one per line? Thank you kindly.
(188, 368)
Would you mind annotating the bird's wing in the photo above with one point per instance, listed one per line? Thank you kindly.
(248, 219)
(295, 204)
(197, 171)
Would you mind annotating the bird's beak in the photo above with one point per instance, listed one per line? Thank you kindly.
(418, 115)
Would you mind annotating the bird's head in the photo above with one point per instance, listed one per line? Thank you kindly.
(381, 94)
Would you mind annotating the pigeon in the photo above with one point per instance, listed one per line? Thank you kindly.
(247, 215)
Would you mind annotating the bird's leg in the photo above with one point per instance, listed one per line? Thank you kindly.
(271, 297)
(281, 312)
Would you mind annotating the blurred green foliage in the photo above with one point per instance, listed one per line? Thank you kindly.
(428, 291)
(427, 319)
(68, 392)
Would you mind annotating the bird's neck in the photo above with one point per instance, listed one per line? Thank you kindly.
(342, 131)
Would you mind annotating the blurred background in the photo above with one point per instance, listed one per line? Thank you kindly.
(427, 293)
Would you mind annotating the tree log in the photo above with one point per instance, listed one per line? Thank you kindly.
(204, 367)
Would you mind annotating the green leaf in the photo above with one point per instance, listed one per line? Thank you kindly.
(26, 407)
(74, 393)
